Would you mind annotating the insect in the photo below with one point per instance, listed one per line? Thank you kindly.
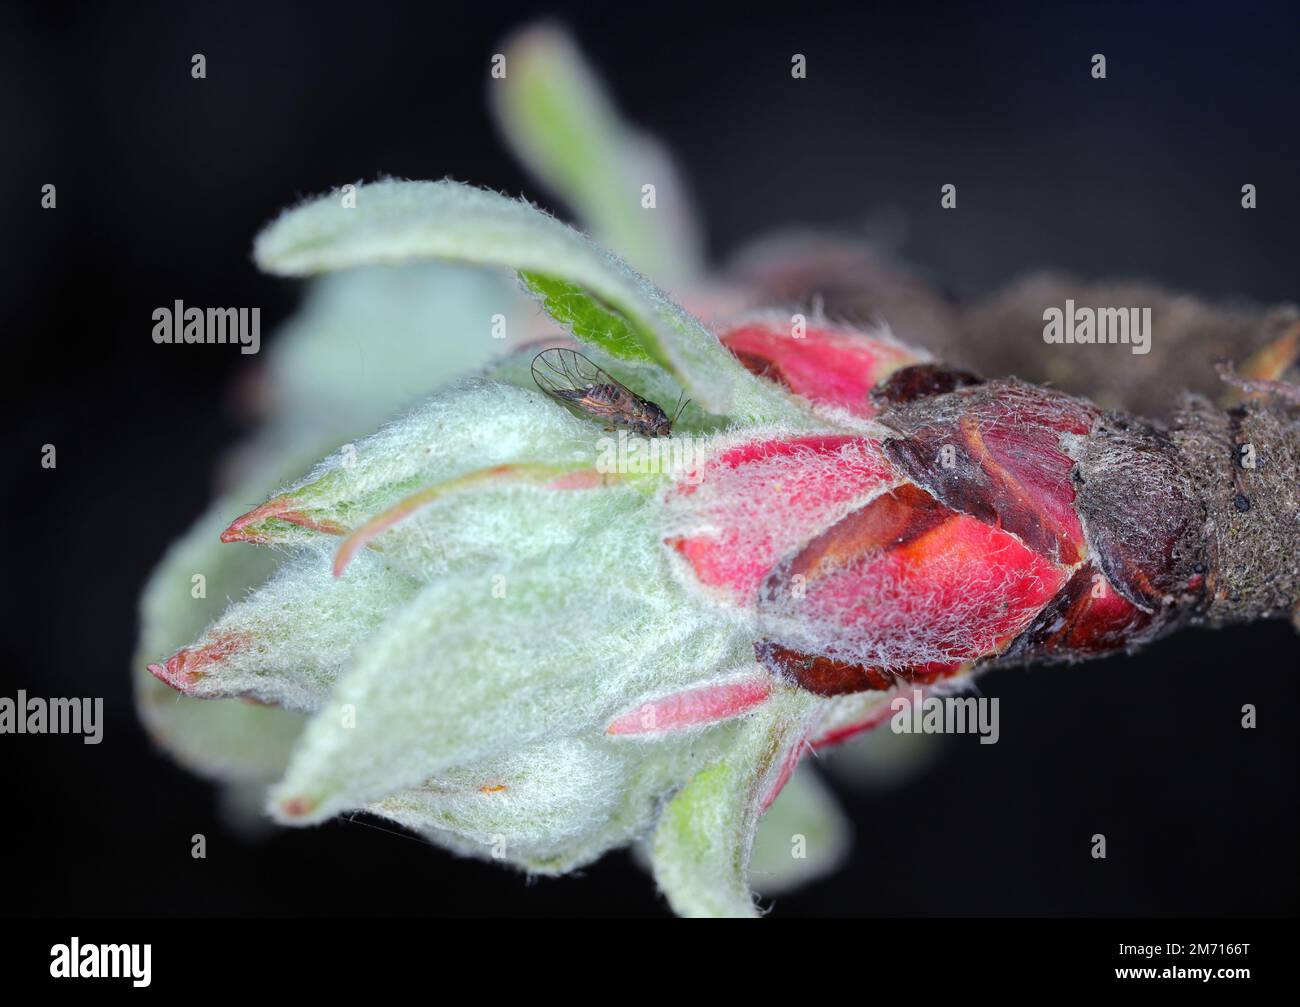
(573, 380)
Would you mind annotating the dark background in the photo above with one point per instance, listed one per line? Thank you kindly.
(163, 181)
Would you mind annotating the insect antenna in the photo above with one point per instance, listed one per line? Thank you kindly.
(681, 406)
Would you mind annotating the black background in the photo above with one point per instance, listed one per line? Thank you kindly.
(163, 180)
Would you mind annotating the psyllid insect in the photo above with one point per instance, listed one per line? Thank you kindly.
(573, 380)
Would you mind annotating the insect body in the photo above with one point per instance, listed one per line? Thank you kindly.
(570, 378)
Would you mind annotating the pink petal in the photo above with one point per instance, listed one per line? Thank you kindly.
(829, 365)
(750, 506)
(693, 707)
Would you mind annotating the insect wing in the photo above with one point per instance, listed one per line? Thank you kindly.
(570, 378)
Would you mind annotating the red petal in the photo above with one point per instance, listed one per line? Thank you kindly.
(993, 452)
(744, 510)
(1087, 617)
(903, 586)
(827, 365)
(693, 707)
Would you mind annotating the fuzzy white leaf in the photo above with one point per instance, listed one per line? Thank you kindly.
(474, 426)
(396, 222)
(460, 675)
(231, 739)
(286, 643)
(556, 805)
(368, 342)
(701, 849)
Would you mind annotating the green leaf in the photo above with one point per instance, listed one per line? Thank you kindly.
(586, 317)
(395, 222)
(360, 348)
(557, 117)
(701, 848)
(286, 642)
(471, 428)
(554, 805)
(230, 739)
(368, 342)
(486, 661)
(802, 837)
